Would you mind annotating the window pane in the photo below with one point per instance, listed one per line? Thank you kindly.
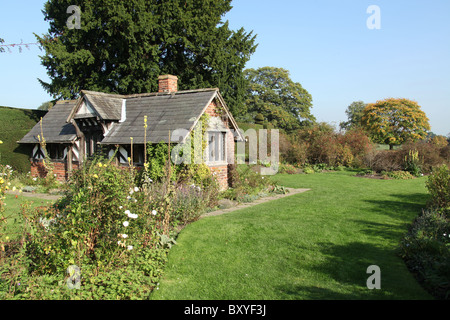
(217, 146)
(224, 146)
(211, 146)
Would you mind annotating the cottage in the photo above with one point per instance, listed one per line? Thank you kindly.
(75, 130)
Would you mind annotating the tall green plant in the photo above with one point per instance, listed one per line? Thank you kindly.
(438, 185)
(412, 163)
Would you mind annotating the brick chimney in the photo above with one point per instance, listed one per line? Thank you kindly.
(168, 83)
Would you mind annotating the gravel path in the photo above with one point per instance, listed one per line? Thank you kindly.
(43, 196)
(256, 202)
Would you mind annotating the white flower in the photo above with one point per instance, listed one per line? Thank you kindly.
(132, 216)
(34, 179)
(125, 223)
(136, 189)
(131, 191)
(154, 212)
(120, 207)
(128, 198)
(127, 212)
(124, 236)
(129, 247)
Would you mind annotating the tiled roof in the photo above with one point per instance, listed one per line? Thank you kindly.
(108, 106)
(54, 126)
(165, 112)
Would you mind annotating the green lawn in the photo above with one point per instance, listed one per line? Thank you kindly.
(12, 212)
(314, 245)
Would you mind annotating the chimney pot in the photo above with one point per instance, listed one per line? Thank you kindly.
(167, 83)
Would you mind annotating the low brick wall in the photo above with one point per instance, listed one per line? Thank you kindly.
(59, 169)
(221, 174)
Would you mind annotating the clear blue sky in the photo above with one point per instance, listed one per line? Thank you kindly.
(325, 44)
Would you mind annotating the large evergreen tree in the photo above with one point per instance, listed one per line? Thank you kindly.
(122, 47)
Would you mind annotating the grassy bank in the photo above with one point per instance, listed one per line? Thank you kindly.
(14, 125)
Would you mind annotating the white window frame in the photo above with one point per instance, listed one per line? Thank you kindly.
(217, 147)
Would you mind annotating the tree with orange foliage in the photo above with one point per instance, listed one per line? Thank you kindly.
(394, 121)
(439, 141)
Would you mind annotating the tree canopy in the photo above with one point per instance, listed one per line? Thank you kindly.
(394, 121)
(354, 114)
(282, 102)
(45, 106)
(123, 46)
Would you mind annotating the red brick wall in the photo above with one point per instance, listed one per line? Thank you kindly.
(221, 171)
(59, 168)
(212, 110)
(221, 174)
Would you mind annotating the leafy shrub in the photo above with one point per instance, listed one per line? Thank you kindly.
(246, 182)
(358, 143)
(399, 175)
(308, 170)
(190, 201)
(428, 154)
(325, 149)
(415, 157)
(364, 172)
(385, 160)
(439, 141)
(445, 154)
(287, 168)
(87, 220)
(426, 251)
(344, 156)
(438, 185)
(321, 144)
